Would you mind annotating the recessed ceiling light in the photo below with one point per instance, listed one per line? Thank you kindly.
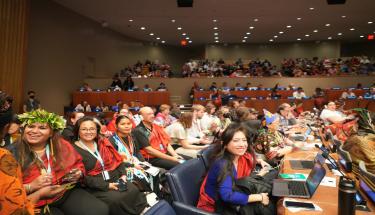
(188, 38)
(143, 28)
(339, 34)
(369, 22)
(352, 29)
(216, 41)
(288, 26)
(307, 35)
(311, 8)
(158, 38)
(327, 25)
(244, 41)
(299, 18)
(271, 40)
(151, 34)
(330, 38)
(216, 33)
(256, 20)
(251, 27)
(216, 38)
(214, 20)
(163, 41)
(190, 41)
(281, 32)
(173, 20)
(130, 20)
(275, 36)
(315, 31)
(343, 16)
(298, 39)
(361, 36)
(248, 33)
(215, 28)
(183, 34)
(179, 28)
(245, 37)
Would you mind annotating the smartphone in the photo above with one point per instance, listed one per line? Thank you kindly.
(122, 185)
(299, 204)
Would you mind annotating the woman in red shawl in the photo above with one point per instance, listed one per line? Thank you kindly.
(234, 160)
(105, 170)
(51, 167)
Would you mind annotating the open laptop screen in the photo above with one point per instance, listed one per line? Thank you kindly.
(315, 177)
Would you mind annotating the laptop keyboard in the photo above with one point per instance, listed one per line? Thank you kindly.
(297, 188)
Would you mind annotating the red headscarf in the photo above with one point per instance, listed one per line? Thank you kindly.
(244, 168)
(111, 158)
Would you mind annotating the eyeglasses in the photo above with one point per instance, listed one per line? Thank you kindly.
(88, 130)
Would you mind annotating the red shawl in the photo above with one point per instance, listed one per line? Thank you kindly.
(111, 158)
(157, 138)
(70, 160)
(244, 168)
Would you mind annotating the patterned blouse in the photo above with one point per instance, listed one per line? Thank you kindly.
(268, 143)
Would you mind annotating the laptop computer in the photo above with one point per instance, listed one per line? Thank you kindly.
(301, 137)
(307, 164)
(300, 189)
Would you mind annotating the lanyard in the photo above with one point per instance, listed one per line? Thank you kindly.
(95, 154)
(123, 148)
(48, 169)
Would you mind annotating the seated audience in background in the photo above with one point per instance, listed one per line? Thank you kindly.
(299, 94)
(161, 87)
(177, 131)
(147, 88)
(11, 132)
(331, 115)
(116, 82)
(275, 94)
(196, 132)
(50, 165)
(209, 119)
(247, 118)
(225, 87)
(233, 105)
(163, 118)
(105, 170)
(242, 103)
(68, 132)
(223, 119)
(31, 103)
(213, 86)
(154, 142)
(319, 98)
(128, 84)
(175, 110)
(216, 97)
(86, 87)
(285, 115)
(238, 87)
(234, 158)
(83, 107)
(271, 145)
(347, 94)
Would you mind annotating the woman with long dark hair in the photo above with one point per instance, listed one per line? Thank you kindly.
(233, 159)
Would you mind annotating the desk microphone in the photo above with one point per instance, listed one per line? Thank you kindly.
(326, 155)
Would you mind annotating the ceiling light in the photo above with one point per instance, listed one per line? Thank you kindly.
(361, 36)
(188, 38)
(190, 41)
(299, 18)
(311, 8)
(158, 38)
(343, 16)
(288, 26)
(216, 41)
(330, 38)
(216, 38)
(245, 37)
(352, 29)
(271, 40)
(215, 28)
(307, 35)
(256, 20)
(173, 20)
(130, 20)
(275, 36)
(163, 41)
(248, 33)
(183, 34)
(298, 39)
(143, 28)
(179, 28)
(281, 32)
(214, 20)
(339, 34)
(216, 33)
(251, 27)
(315, 31)
(327, 25)
(369, 22)
(244, 41)
(151, 34)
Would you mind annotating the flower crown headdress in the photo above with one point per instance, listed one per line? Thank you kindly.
(55, 121)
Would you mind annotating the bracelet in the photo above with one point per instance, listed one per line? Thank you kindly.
(28, 188)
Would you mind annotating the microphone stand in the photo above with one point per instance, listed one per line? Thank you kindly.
(326, 155)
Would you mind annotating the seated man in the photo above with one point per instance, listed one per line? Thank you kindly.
(285, 115)
(154, 142)
(331, 115)
(299, 94)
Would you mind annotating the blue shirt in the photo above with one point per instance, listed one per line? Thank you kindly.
(224, 190)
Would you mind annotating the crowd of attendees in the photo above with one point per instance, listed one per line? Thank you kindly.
(147, 69)
(110, 166)
(289, 67)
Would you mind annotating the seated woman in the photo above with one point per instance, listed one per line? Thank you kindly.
(234, 159)
(51, 167)
(104, 168)
(179, 137)
(271, 145)
(12, 132)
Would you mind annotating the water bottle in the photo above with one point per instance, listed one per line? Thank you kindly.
(347, 191)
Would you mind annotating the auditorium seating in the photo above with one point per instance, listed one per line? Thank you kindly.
(184, 182)
(162, 207)
(205, 155)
